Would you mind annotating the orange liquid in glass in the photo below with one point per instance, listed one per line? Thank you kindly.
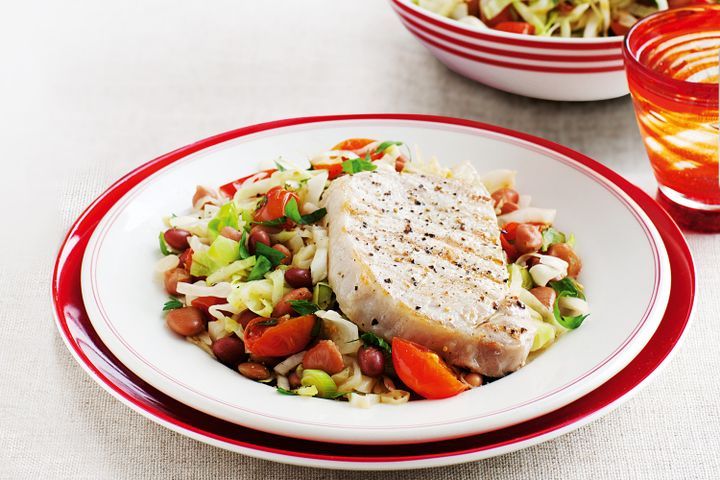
(682, 138)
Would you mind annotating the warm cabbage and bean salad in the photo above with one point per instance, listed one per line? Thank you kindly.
(246, 269)
(559, 18)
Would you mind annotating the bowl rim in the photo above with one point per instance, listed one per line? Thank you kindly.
(511, 38)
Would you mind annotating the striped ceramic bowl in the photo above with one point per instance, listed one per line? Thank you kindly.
(551, 68)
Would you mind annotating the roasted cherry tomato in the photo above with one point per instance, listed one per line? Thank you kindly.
(505, 15)
(353, 144)
(687, 3)
(274, 204)
(204, 303)
(618, 28)
(507, 240)
(229, 189)
(424, 371)
(334, 169)
(523, 28)
(267, 337)
(186, 259)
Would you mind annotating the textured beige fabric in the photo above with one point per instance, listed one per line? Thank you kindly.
(91, 89)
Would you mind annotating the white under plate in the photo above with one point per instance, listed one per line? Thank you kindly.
(626, 275)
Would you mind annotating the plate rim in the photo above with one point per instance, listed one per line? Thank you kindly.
(416, 432)
(158, 163)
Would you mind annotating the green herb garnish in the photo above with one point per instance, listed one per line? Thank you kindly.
(272, 223)
(385, 145)
(567, 287)
(163, 245)
(372, 339)
(172, 304)
(270, 322)
(274, 256)
(304, 307)
(261, 267)
(244, 253)
(293, 213)
(355, 165)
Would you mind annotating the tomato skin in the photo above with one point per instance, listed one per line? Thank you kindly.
(274, 207)
(618, 28)
(507, 240)
(289, 336)
(204, 304)
(522, 28)
(505, 15)
(353, 144)
(334, 169)
(423, 371)
(687, 3)
(229, 189)
(186, 259)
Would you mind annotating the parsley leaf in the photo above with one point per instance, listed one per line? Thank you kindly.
(285, 391)
(261, 267)
(550, 236)
(567, 287)
(272, 223)
(163, 245)
(355, 165)
(293, 213)
(243, 246)
(274, 256)
(268, 323)
(304, 307)
(172, 304)
(385, 145)
(372, 339)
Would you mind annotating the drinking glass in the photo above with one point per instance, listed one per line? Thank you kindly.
(671, 61)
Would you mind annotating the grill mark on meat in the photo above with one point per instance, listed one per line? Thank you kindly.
(427, 265)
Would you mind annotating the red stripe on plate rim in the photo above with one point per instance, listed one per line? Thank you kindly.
(516, 66)
(237, 406)
(65, 285)
(407, 19)
(557, 43)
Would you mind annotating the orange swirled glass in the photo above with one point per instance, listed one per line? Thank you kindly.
(672, 61)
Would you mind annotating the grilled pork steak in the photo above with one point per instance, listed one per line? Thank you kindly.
(419, 257)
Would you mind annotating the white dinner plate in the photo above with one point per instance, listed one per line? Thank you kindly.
(626, 275)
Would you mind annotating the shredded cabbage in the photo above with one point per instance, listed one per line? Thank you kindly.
(587, 18)
(259, 296)
(237, 270)
(341, 331)
(200, 289)
(529, 215)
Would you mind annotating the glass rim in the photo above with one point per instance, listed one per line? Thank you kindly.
(707, 91)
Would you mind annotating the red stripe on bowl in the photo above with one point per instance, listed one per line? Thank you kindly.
(508, 38)
(589, 57)
(515, 66)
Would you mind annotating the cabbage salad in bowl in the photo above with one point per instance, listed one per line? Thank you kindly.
(558, 18)
(320, 279)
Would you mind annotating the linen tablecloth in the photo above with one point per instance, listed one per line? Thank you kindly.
(92, 89)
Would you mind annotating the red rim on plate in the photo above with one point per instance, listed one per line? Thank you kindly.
(94, 356)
